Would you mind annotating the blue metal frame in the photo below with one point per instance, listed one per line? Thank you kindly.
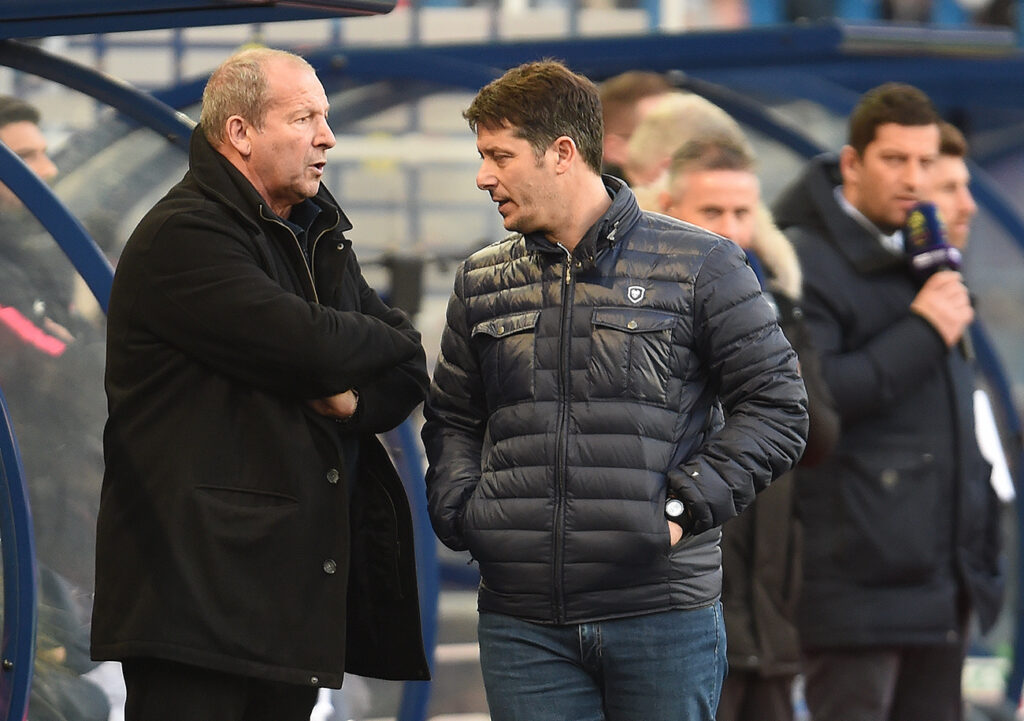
(21, 19)
(141, 107)
(76, 243)
(17, 653)
(405, 449)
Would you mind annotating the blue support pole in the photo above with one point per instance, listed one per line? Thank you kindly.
(17, 653)
(76, 243)
(133, 103)
(406, 452)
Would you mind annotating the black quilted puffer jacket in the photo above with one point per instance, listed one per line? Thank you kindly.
(574, 391)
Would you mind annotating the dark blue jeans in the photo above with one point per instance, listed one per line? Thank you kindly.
(659, 667)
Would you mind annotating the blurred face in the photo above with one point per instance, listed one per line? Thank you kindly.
(893, 174)
(289, 152)
(952, 197)
(518, 181)
(723, 201)
(616, 140)
(27, 141)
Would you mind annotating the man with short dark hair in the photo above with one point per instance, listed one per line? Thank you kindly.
(900, 541)
(625, 99)
(254, 540)
(612, 387)
(951, 191)
(19, 131)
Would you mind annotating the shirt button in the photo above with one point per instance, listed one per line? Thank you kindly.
(330, 566)
(332, 475)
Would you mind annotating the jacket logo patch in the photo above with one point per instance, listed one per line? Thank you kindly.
(635, 293)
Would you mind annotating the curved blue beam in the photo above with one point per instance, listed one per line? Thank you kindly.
(19, 568)
(135, 104)
(76, 243)
(754, 115)
(404, 444)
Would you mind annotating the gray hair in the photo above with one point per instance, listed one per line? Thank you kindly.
(239, 87)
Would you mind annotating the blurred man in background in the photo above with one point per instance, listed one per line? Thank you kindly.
(712, 183)
(901, 535)
(625, 101)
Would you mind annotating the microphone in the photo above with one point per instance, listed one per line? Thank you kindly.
(924, 240)
(928, 252)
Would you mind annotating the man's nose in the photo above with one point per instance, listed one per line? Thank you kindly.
(44, 167)
(485, 177)
(326, 136)
(914, 175)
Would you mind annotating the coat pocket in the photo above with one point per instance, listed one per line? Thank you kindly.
(631, 354)
(882, 544)
(506, 348)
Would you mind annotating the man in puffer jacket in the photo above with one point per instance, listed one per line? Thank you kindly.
(576, 426)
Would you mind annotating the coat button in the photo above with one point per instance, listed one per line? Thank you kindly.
(332, 475)
(631, 325)
(330, 566)
(314, 680)
(889, 478)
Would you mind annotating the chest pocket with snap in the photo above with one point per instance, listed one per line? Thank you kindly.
(631, 354)
(505, 347)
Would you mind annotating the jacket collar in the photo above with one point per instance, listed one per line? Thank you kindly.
(810, 201)
(219, 178)
(620, 217)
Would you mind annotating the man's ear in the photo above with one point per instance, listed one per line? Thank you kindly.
(566, 153)
(849, 164)
(236, 132)
(664, 202)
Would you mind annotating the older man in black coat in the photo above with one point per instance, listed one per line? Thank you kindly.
(254, 539)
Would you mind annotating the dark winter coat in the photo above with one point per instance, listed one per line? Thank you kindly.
(762, 547)
(900, 521)
(573, 392)
(227, 538)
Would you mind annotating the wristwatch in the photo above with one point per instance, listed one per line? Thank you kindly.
(675, 510)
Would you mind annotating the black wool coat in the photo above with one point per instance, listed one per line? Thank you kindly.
(235, 532)
(900, 521)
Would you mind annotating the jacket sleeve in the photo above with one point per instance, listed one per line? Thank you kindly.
(388, 397)
(823, 431)
(456, 417)
(199, 287)
(753, 368)
(867, 379)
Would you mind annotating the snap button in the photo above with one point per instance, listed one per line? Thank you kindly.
(890, 477)
(631, 325)
(330, 566)
(314, 680)
(332, 475)
(501, 329)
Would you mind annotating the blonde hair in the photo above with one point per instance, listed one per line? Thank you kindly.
(675, 119)
(239, 87)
